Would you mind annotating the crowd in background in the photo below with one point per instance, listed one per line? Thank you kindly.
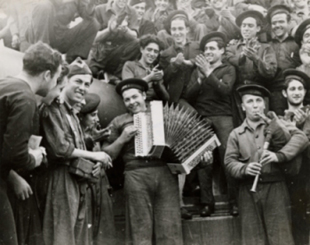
(206, 56)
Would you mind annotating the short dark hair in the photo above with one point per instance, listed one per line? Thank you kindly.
(39, 58)
(147, 39)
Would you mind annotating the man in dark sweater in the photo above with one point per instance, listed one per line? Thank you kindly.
(41, 68)
(210, 94)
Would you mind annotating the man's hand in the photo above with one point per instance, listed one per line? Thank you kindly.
(207, 157)
(269, 157)
(97, 169)
(253, 169)
(251, 53)
(100, 135)
(156, 74)
(128, 133)
(300, 116)
(15, 41)
(21, 188)
(202, 64)
(38, 155)
(178, 60)
(103, 157)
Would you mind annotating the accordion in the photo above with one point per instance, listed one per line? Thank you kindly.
(182, 130)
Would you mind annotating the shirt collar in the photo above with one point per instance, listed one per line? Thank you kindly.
(244, 126)
(288, 38)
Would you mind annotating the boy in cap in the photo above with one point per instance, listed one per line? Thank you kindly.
(265, 214)
(254, 61)
(151, 191)
(210, 92)
(19, 120)
(286, 50)
(66, 217)
(296, 85)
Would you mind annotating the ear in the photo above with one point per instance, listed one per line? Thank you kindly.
(243, 108)
(141, 49)
(284, 93)
(258, 28)
(222, 51)
(47, 75)
(144, 95)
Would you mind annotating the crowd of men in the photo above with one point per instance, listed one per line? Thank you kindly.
(232, 61)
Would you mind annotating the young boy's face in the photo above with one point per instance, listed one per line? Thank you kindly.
(162, 5)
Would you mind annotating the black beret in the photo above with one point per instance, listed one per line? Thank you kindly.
(212, 36)
(250, 13)
(131, 83)
(134, 2)
(173, 15)
(278, 9)
(92, 102)
(301, 30)
(253, 89)
(297, 75)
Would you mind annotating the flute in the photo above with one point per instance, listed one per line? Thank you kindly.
(265, 147)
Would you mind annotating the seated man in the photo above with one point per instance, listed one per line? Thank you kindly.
(151, 191)
(265, 214)
(50, 21)
(146, 68)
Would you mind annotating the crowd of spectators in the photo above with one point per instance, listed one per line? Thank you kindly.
(221, 58)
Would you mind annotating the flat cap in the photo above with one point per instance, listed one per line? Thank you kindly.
(253, 89)
(92, 102)
(131, 83)
(300, 76)
(305, 25)
(134, 2)
(278, 9)
(212, 36)
(173, 15)
(250, 13)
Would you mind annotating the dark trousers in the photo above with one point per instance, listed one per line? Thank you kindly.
(75, 42)
(7, 224)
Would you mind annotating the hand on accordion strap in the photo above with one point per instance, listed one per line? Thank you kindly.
(206, 159)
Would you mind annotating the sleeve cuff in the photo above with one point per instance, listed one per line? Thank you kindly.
(281, 157)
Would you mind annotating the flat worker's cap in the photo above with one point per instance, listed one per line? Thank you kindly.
(173, 15)
(253, 89)
(131, 83)
(212, 36)
(278, 9)
(78, 67)
(92, 102)
(250, 13)
(305, 25)
(134, 2)
(292, 74)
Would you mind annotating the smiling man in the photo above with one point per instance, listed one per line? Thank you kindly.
(146, 68)
(151, 191)
(265, 214)
(295, 86)
(178, 61)
(210, 93)
(67, 207)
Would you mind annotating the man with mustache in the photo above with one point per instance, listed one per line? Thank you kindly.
(286, 50)
(264, 214)
(210, 93)
(296, 85)
(66, 212)
(151, 191)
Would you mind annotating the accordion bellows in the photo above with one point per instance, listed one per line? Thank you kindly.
(181, 129)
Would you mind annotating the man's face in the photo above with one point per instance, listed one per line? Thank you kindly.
(218, 4)
(121, 3)
(300, 3)
(178, 31)
(76, 88)
(90, 119)
(162, 5)
(150, 53)
(49, 82)
(249, 28)
(279, 25)
(306, 37)
(295, 93)
(134, 100)
(140, 9)
(212, 52)
(253, 106)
